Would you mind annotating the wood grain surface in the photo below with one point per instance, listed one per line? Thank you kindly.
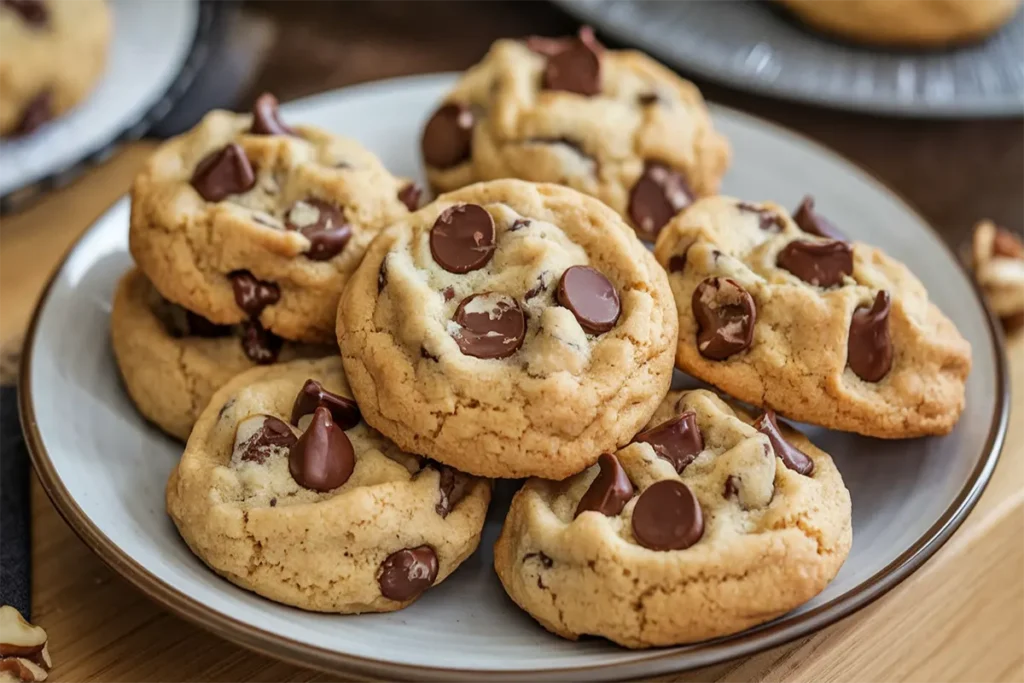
(959, 618)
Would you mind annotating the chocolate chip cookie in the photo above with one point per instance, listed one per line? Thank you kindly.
(284, 491)
(708, 523)
(172, 360)
(509, 329)
(785, 313)
(54, 53)
(247, 217)
(614, 124)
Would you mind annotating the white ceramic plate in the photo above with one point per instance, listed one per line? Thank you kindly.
(105, 468)
(752, 45)
(150, 43)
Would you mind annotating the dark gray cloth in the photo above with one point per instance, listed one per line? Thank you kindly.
(15, 531)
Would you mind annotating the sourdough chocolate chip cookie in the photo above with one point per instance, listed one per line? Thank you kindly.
(708, 523)
(509, 329)
(54, 52)
(246, 217)
(284, 491)
(789, 316)
(172, 360)
(613, 124)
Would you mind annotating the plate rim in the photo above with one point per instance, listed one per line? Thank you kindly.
(717, 651)
(1003, 109)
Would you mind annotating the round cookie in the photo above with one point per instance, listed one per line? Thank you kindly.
(786, 314)
(707, 524)
(244, 217)
(54, 53)
(613, 124)
(328, 515)
(509, 329)
(172, 360)
(905, 23)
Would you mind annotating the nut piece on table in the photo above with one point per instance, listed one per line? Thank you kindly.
(997, 259)
(23, 648)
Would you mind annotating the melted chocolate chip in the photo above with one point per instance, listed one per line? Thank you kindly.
(591, 297)
(823, 264)
(404, 575)
(448, 136)
(463, 238)
(811, 222)
(222, 173)
(253, 295)
(725, 315)
(322, 459)
(610, 490)
(323, 224)
(491, 325)
(791, 456)
(869, 348)
(732, 487)
(427, 355)
(544, 560)
(38, 111)
(32, 12)
(769, 220)
(677, 263)
(658, 195)
(448, 293)
(452, 487)
(678, 440)
(259, 345)
(539, 288)
(647, 99)
(518, 224)
(266, 119)
(574, 64)
(312, 395)
(667, 516)
(271, 435)
(410, 196)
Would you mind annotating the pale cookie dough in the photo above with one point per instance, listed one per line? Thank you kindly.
(997, 260)
(709, 523)
(54, 52)
(614, 124)
(822, 330)
(172, 361)
(243, 217)
(906, 23)
(509, 329)
(327, 516)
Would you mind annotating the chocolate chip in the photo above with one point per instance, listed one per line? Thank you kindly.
(38, 111)
(647, 99)
(491, 325)
(810, 221)
(539, 288)
(266, 119)
(725, 315)
(405, 574)
(452, 488)
(199, 326)
(609, 492)
(869, 348)
(677, 440)
(223, 173)
(271, 435)
(273, 502)
(410, 196)
(253, 295)
(732, 487)
(427, 355)
(823, 264)
(312, 395)
(677, 263)
(32, 12)
(791, 456)
(518, 224)
(667, 516)
(462, 239)
(544, 560)
(259, 345)
(769, 220)
(322, 459)
(658, 195)
(591, 297)
(574, 64)
(323, 224)
(382, 275)
(448, 293)
(448, 136)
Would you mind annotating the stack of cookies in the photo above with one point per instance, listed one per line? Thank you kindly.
(518, 328)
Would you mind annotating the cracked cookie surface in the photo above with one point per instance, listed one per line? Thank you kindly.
(284, 491)
(509, 329)
(822, 330)
(702, 527)
(172, 363)
(290, 208)
(614, 124)
(54, 53)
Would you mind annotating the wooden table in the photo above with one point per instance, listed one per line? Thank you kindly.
(959, 618)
